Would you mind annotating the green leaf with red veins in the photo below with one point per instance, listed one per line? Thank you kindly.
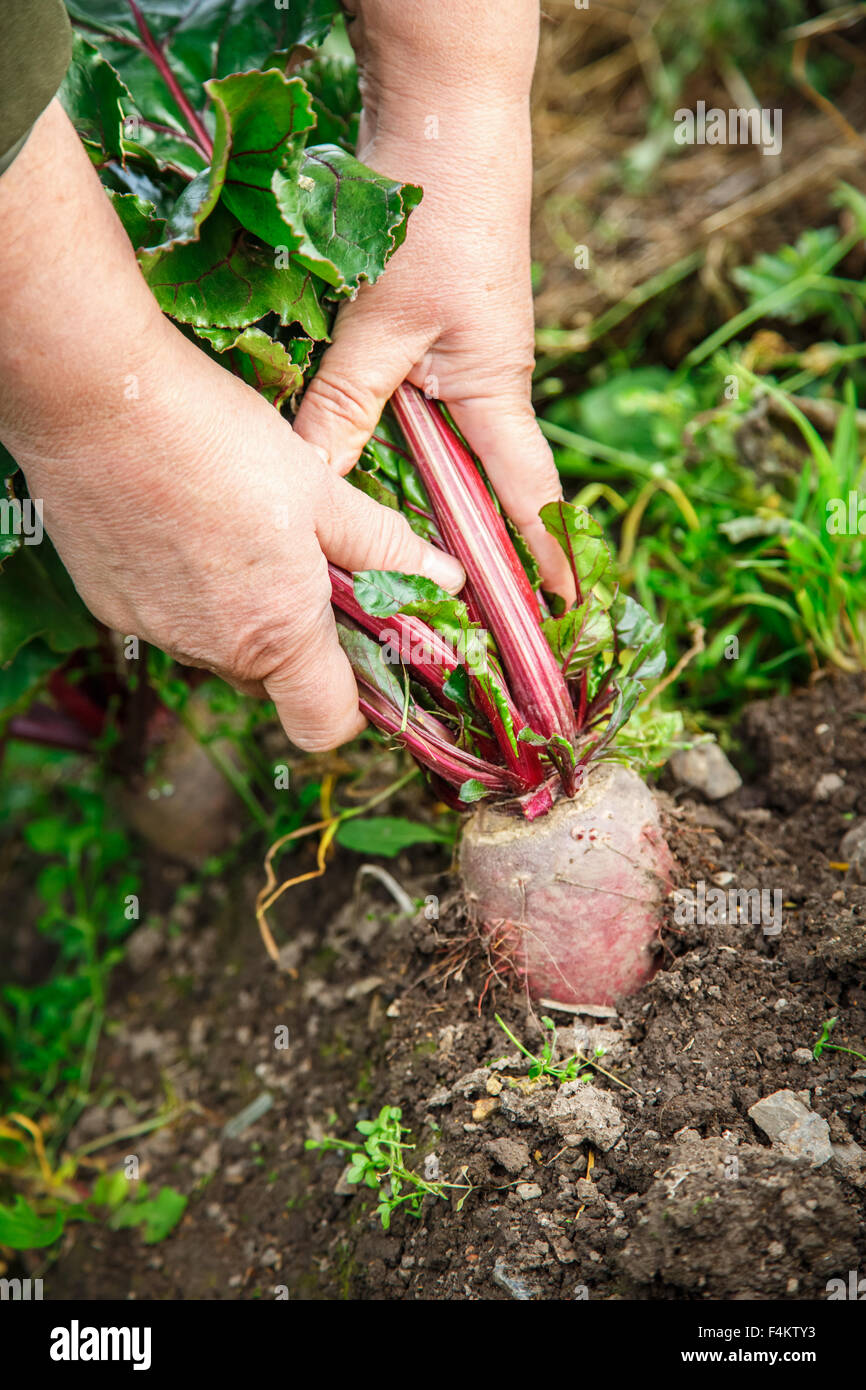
(166, 50)
(267, 115)
(139, 219)
(95, 100)
(337, 217)
(580, 537)
(207, 37)
(578, 635)
(273, 369)
(349, 218)
(385, 592)
(230, 280)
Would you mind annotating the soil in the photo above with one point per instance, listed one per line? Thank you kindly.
(651, 1181)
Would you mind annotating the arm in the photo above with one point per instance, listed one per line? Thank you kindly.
(183, 505)
(446, 104)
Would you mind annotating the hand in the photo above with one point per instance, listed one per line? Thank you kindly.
(184, 507)
(453, 312)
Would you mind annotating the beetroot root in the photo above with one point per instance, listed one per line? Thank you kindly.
(572, 901)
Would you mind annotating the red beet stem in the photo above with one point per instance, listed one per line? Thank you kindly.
(431, 661)
(474, 531)
(430, 742)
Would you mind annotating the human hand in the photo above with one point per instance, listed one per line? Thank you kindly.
(453, 313)
(184, 507)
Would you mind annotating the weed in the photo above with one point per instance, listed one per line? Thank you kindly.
(576, 1067)
(89, 891)
(379, 1163)
(823, 1045)
(56, 1198)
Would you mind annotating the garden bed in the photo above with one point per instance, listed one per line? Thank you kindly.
(656, 1185)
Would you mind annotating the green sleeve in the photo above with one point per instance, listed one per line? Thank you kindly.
(35, 48)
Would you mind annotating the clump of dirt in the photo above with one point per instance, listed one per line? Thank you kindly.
(649, 1181)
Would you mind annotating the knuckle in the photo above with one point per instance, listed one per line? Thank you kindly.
(351, 402)
(314, 721)
(295, 661)
(255, 651)
(262, 650)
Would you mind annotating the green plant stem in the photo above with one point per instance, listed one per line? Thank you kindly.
(770, 304)
(564, 342)
(145, 1127)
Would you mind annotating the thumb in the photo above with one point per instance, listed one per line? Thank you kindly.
(355, 378)
(505, 435)
(360, 534)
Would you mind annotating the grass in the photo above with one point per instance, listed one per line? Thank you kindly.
(721, 481)
(87, 885)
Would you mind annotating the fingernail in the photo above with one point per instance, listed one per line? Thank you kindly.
(323, 453)
(444, 570)
(344, 463)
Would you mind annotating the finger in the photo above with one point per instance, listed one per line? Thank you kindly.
(358, 373)
(313, 688)
(360, 534)
(518, 460)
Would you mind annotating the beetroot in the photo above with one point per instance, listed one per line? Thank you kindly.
(571, 902)
(506, 700)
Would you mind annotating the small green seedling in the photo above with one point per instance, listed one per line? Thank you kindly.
(543, 1065)
(823, 1045)
(379, 1163)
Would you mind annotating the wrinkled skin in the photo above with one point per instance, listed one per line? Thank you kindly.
(572, 901)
